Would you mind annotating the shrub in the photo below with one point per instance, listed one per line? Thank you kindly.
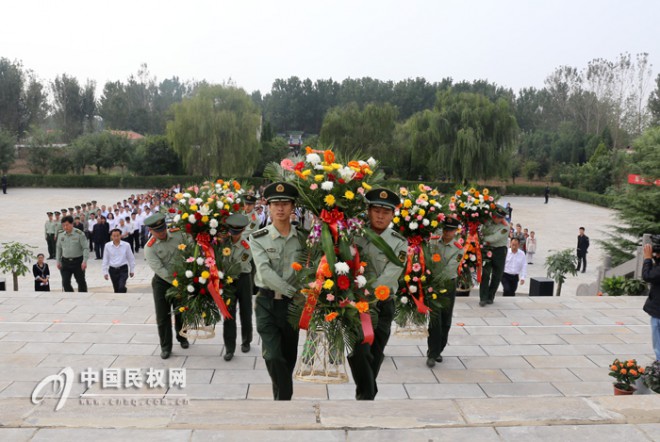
(613, 285)
(634, 287)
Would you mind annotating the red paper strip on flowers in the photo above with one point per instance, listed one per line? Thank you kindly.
(214, 285)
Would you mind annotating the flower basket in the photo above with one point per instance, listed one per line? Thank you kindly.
(321, 362)
(199, 331)
(411, 330)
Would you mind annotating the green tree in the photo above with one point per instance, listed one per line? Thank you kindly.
(637, 205)
(654, 103)
(560, 264)
(22, 100)
(13, 259)
(73, 105)
(41, 152)
(7, 151)
(154, 156)
(216, 132)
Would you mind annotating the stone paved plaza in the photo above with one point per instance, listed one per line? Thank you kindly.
(525, 368)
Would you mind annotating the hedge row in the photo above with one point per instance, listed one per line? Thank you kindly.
(111, 181)
(151, 182)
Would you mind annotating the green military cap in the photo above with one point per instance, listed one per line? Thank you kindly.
(236, 222)
(49, 213)
(89, 204)
(450, 223)
(63, 210)
(77, 207)
(500, 210)
(280, 191)
(57, 213)
(156, 222)
(70, 209)
(93, 201)
(383, 198)
(250, 199)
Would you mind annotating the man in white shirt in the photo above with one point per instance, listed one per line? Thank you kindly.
(136, 222)
(515, 269)
(118, 261)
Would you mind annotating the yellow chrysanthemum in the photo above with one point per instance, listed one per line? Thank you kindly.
(422, 278)
(175, 283)
(407, 203)
(193, 207)
(205, 274)
(318, 178)
(226, 251)
(178, 196)
(406, 278)
(184, 216)
(328, 284)
(181, 247)
(228, 301)
(229, 279)
(485, 191)
(443, 291)
(205, 219)
(403, 191)
(306, 172)
(421, 212)
(404, 213)
(432, 201)
(462, 205)
(434, 296)
(182, 309)
(328, 168)
(422, 187)
(396, 220)
(336, 166)
(424, 196)
(472, 190)
(203, 314)
(329, 200)
(366, 186)
(349, 195)
(434, 224)
(226, 206)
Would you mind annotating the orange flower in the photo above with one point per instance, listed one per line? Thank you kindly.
(300, 175)
(296, 266)
(624, 371)
(325, 270)
(459, 192)
(362, 306)
(641, 369)
(331, 316)
(382, 292)
(630, 363)
(220, 181)
(613, 367)
(436, 257)
(328, 157)
(633, 372)
(236, 184)
(363, 264)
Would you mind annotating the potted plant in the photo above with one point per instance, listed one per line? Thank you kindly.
(651, 377)
(613, 285)
(560, 264)
(626, 373)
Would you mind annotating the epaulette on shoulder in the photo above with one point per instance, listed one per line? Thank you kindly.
(174, 229)
(151, 241)
(398, 235)
(245, 244)
(260, 233)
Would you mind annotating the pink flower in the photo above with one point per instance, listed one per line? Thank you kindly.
(330, 297)
(415, 278)
(430, 290)
(420, 217)
(428, 272)
(407, 218)
(191, 259)
(210, 262)
(452, 207)
(416, 267)
(432, 209)
(360, 190)
(287, 164)
(489, 254)
(314, 186)
(441, 217)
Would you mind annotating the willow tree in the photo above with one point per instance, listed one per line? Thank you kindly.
(477, 135)
(216, 132)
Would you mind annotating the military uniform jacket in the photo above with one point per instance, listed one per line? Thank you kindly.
(241, 253)
(273, 255)
(379, 268)
(162, 255)
(50, 227)
(450, 256)
(253, 225)
(72, 245)
(495, 234)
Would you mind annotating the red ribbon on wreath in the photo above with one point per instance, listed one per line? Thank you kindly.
(472, 246)
(214, 285)
(415, 249)
(331, 219)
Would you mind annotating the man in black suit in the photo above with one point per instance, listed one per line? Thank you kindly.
(582, 247)
(100, 236)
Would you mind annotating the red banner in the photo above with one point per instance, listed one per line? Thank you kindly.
(641, 181)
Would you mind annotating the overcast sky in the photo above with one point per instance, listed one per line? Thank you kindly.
(514, 43)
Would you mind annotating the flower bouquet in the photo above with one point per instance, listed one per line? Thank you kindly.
(625, 373)
(417, 219)
(472, 208)
(204, 273)
(337, 296)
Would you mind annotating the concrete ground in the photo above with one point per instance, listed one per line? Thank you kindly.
(525, 368)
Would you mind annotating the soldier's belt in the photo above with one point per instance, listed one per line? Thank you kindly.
(270, 294)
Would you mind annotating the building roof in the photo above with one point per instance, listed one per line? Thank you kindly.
(128, 134)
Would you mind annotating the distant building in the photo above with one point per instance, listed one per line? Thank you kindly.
(132, 136)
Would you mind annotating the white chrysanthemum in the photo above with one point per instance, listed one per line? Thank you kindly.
(182, 201)
(212, 232)
(346, 173)
(413, 226)
(205, 210)
(202, 280)
(404, 300)
(200, 261)
(426, 222)
(213, 223)
(313, 158)
(327, 185)
(341, 268)
(189, 274)
(473, 258)
(361, 281)
(176, 219)
(190, 288)
(371, 162)
(318, 167)
(220, 205)
(414, 209)
(221, 275)
(186, 195)
(192, 219)
(413, 289)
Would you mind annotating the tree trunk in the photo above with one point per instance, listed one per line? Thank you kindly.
(559, 289)
(15, 281)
